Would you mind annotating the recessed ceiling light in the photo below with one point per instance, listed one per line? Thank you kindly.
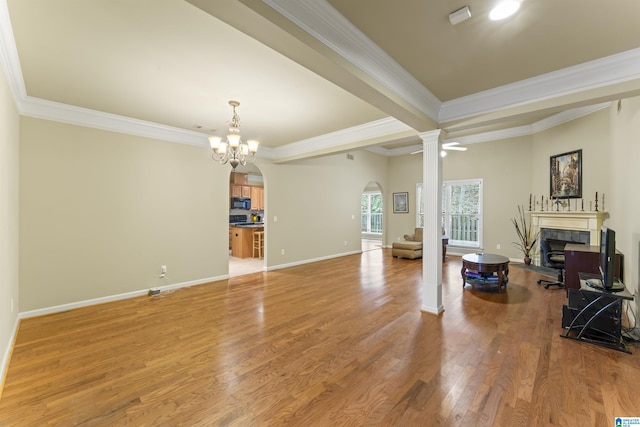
(504, 10)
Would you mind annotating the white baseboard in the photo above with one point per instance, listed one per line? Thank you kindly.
(308, 261)
(6, 357)
(101, 300)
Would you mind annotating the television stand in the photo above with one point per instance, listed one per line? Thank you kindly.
(595, 315)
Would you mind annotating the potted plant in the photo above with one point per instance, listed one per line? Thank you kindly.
(527, 238)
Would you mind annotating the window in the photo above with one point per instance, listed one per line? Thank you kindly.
(461, 212)
(371, 206)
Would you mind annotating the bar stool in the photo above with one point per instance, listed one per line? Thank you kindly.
(258, 244)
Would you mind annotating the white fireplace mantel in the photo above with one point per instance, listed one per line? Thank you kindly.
(579, 221)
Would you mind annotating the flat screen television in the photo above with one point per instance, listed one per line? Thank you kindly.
(607, 256)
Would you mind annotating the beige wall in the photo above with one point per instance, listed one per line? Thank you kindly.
(589, 133)
(505, 168)
(9, 263)
(404, 173)
(100, 212)
(511, 169)
(624, 203)
(317, 205)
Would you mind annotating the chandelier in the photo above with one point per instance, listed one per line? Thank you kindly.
(233, 151)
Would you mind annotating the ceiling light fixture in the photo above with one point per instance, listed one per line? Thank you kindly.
(233, 151)
(460, 15)
(504, 10)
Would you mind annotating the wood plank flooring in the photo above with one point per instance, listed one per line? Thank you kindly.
(334, 343)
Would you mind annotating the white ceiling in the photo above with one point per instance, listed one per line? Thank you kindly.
(314, 76)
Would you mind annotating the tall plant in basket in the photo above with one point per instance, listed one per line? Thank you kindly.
(527, 239)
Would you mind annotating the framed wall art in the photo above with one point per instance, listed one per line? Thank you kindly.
(566, 175)
(400, 202)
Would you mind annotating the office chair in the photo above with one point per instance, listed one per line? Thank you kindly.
(552, 258)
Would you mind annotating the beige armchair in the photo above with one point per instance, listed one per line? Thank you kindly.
(411, 248)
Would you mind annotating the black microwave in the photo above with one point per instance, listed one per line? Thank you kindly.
(240, 203)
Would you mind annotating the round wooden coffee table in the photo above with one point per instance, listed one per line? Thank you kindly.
(485, 265)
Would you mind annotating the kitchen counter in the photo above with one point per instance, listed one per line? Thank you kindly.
(242, 239)
(250, 225)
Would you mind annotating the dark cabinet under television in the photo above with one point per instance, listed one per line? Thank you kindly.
(595, 315)
(584, 258)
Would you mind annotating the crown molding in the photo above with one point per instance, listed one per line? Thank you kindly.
(9, 59)
(56, 111)
(376, 129)
(567, 116)
(616, 68)
(327, 25)
(542, 125)
(594, 74)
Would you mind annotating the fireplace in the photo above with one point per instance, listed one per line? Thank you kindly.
(579, 227)
(570, 236)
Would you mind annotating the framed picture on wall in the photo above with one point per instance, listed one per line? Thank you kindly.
(400, 202)
(566, 175)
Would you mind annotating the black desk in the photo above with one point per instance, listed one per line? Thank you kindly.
(595, 315)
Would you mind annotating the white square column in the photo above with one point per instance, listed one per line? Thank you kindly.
(432, 208)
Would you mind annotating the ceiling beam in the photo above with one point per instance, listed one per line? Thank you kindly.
(268, 26)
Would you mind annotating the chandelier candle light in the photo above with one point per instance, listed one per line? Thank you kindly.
(233, 151)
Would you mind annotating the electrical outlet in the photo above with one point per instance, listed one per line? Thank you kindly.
(498, 246)
(345, 243)
(163, 269)
(281, 251)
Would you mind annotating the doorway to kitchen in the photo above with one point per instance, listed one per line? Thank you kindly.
(372, 216)
(247, 240)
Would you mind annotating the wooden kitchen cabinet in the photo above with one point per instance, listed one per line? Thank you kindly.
(236, 191)
(241, 242)
(240, 190)
(257, 198)
(239, 178)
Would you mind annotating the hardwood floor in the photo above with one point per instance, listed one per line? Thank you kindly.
(333, 343)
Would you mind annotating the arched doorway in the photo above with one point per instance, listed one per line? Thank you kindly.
(246, 182)
(372, 217)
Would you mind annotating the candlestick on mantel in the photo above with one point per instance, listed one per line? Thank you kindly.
(582, 204)
(603, 209)
(529, 201)
(596, 202)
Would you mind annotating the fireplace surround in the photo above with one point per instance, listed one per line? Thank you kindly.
(579, 227)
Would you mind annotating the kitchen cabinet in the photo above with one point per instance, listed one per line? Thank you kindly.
(239, 178)
(240, 190)
(241, 242)
(257, 198)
